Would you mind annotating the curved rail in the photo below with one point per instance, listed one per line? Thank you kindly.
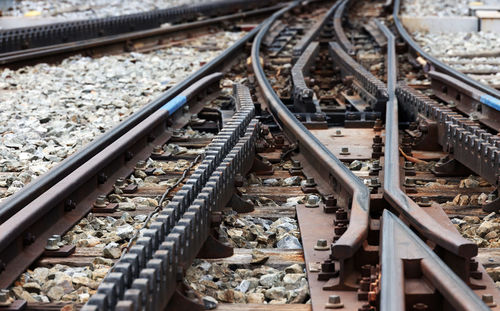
(398, 244)
(64, 49)
(424, 223)
(22, 198)
(17, 255)
(357, 231)
(49, 34)
(339, 30)
(434, 61)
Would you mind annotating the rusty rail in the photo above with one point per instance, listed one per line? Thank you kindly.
(22, 198)
(312, 33)
(485, 108)
(403, 253)
(425, 224)
(371, 89)
(64, 49)
(339, 30)
(181, 228)
(439, 66)
(302, 95)
(24, 235)
(326, 162)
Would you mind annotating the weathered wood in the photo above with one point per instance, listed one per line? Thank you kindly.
(278, 258)
(279, 194)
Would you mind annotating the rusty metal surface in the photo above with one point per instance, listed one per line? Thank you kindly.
(466, 98)
(31, 191)
(72, 197)
(358, 140)
(120, 41)
(339, 30)
(339, 175)
(371, 88)
(464, 139)
(404, 256)
(302, 94)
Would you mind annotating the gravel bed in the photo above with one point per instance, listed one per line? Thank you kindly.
(218, 282)
(78, 9)
(435, 8)
(48, 112)
(457, 49)
(62, 283)
(254, 232)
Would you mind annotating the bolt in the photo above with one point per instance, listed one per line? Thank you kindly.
(488, 300)
(408, 165)
(100, 201)
(345, 151)
(321, 245)
(312, 201)
(338, 133)
(52, 244)
(57, 237)
(377, 139)
(420, 306)
(120, 183)
(334, 302)
(5, 298)
(296, 164)
(310, 182)
(376, 164)
(141, 165)
(409, 182)
(157, 149)
(374, 182)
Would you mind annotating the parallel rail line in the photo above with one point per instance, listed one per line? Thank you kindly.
(369, 242)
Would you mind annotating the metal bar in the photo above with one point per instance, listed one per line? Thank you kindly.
(41, 35)
(339, 30)
(313, 32)
(434, 61)
(399, 243)
(20, 199)
(16, 254)
(357, 231)
(57, 49)
(424, 223)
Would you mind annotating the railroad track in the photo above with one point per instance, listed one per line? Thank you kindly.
(312, 127)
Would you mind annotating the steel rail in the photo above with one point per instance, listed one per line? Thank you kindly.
(15, 254)
(30, 192)
(424, 223)
(440, 66)
(180, 230)
(339, 30)
(65, 48)
(357, 231)
(41, 35)
(399, 244)
(312, 33)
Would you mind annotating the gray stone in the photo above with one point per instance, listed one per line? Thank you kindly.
(55, 293)
(125, 231)
(269, 280)
(289, 242)
(126, 206)
(209, 302)
(275, 293)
